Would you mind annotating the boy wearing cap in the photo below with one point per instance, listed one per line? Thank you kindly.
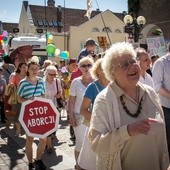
(89, 48)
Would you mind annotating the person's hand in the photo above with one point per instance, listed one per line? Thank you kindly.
(140, 127)
(12, 85)
(72, 121)
(58, 96)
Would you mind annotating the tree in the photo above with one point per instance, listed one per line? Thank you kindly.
(133, 6)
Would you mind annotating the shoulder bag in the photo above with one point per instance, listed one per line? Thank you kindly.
(59, 100)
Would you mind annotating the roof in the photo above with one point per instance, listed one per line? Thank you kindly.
(9, 26)
(69, 17)
(49, 18)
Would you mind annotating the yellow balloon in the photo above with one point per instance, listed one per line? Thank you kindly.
(68, 54)
(49, 41)
(50, 37)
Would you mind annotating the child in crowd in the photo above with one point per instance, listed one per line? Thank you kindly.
(65, 80)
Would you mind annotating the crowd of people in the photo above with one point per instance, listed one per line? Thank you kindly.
(119, 113)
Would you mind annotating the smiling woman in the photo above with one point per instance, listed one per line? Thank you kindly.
(124, 123)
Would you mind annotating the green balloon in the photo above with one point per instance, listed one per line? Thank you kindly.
(50, 48)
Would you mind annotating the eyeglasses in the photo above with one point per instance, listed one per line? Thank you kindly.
(86, 66)
(51, 74)
(33, 69)
(125, 65)
(146, 60)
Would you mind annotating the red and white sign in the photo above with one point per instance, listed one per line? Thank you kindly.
(39, 117)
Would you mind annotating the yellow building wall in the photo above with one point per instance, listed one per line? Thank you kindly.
(79, 34)
(58, 41)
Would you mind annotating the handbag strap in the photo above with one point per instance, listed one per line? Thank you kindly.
(96, 87)
(57, 85)
(35, 89)
(7, 70)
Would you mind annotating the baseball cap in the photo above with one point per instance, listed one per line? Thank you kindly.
(72, 60)
(90, 41)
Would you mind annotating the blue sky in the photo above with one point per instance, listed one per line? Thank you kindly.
(10, 9)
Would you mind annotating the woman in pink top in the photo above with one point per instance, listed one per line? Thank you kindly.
(19, 74)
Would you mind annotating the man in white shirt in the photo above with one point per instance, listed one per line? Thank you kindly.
(161, 78)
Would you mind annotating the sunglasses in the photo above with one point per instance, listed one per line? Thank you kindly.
(51, 74)
(125, 65)
(86, 66)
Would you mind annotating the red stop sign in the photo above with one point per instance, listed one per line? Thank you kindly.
(39, 117)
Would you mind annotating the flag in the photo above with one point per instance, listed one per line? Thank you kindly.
(89, 9)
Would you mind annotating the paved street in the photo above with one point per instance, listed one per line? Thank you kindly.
(12, 149)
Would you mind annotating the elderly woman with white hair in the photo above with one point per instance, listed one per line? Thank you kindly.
(127, 129)
(53, 90)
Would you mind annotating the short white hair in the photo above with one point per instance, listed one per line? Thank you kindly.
(85, 59)
(116, 50)
(50, 69)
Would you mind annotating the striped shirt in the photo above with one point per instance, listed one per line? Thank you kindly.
(26, 89)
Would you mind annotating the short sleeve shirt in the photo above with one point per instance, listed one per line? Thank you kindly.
(93, 90)
(77, 90)
(76, 73)
(27, 90)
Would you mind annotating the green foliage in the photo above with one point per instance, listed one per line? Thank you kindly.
(133, 6)
(157, 32)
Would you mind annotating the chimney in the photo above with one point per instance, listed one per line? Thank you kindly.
(51, 3)
(25, 3)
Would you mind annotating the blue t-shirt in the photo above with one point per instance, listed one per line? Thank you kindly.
(82, 54)
(26, 89)
(91, 91)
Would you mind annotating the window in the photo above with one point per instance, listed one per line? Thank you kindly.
(106, 29)
(45, 23)
(117, 31)
(50, 23)
(60, 24)
(95, 30)
(40, 22)
(55, 23)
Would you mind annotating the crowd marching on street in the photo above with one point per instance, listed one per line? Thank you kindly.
(117, 105)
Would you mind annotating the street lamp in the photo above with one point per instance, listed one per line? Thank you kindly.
(133, 26)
